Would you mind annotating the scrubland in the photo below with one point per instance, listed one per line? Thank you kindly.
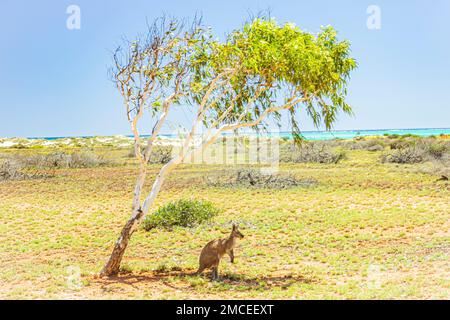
(363, 218)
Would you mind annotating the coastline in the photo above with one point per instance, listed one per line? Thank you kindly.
(125, 141)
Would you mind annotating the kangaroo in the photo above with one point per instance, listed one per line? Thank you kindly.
(216, 249)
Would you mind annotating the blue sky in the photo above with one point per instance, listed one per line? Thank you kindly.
(54, 82)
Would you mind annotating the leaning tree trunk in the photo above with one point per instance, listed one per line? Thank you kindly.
(112, 267)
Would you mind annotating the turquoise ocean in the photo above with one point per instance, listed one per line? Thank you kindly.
(336, 134)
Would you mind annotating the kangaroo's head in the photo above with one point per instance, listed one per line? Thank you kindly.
(235, 233)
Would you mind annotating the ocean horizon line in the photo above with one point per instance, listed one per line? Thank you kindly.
(283, 133)
(311, 133)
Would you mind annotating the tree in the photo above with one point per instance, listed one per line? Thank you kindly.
(256, 73)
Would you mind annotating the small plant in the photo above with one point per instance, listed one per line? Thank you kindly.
(184, 213)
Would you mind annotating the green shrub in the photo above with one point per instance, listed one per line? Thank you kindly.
(438, 149)
(400, 144)
(184, 213)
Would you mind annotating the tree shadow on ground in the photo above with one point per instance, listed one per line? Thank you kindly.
(172, 278)
(282, 281)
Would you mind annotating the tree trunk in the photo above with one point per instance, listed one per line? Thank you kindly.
(113, 265)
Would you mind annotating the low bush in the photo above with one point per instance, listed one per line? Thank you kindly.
(184, 213)
(311, 152)
(400, 144)
(252, 178)
(437, 150)
(436, 168)
(376, 147)
(66, 160)
(368, 145)
(159, 154)
(414, 150)
(11, 169)
(404, 156)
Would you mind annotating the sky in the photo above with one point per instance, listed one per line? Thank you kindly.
(54, 81)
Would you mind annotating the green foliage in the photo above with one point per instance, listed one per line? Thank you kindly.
(286, 63)
(261, 69)
(184, 213)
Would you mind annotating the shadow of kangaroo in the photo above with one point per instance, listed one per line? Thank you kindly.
(216, 249)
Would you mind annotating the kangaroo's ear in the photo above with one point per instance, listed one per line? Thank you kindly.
(234, 227)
